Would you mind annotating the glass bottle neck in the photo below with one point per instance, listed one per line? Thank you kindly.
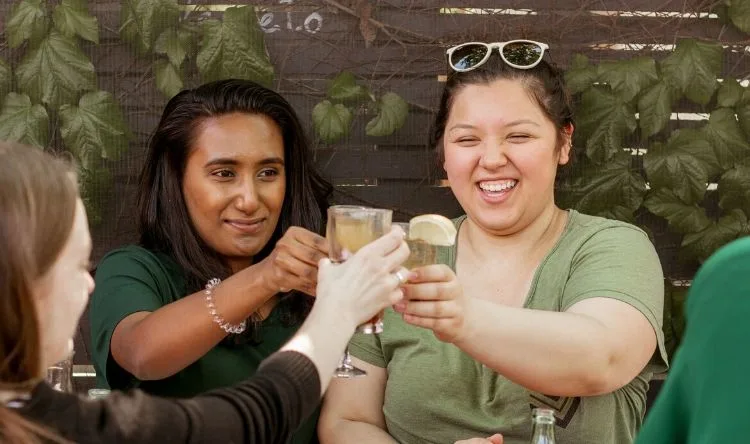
(543, 433)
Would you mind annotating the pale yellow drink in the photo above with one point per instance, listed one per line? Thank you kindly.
(351, 228)
(353, 234)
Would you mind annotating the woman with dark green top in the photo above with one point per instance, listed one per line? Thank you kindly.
(230, 211)
(704, 398)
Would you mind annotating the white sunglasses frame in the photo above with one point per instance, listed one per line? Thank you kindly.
(499, 46)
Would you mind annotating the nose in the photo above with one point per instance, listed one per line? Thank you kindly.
(246, 198)
(493, 155)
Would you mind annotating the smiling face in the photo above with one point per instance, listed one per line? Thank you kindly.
(501, 155)
(234, 184)
(62, 293)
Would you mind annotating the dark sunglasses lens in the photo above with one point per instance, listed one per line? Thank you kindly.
(522, 53)
(467, 56)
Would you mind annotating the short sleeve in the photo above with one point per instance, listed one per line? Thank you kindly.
(368, 348)
(620, 262)
(127, 282)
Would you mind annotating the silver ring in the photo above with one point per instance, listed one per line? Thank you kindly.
(402, 277)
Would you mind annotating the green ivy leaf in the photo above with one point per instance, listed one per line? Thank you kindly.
(692, 68)
(27, 21)
(739, 13)
(655, 109)
(392, 113)
(604, 120)
(142, 21)
(682, 218)
(174, 44)
(95, 129)
(20, 121)
(94, 183)
(734, 189)
(580, 76)
(743, 116)
(344, 88)
(331, 122)
(235, 48)
(72, 17)
(704, 243)
(726, 136)
(730, 93)
(56, 72)
(693, 142)
(168, 78)
(672, 168)
(629, 77)
(6, 78)
(614, 190)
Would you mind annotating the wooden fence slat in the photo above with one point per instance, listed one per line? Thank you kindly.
(407, 200)
(354, 164)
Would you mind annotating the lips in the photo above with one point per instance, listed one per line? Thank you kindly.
(246, 226)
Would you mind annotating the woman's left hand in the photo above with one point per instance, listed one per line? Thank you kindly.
(433, 299)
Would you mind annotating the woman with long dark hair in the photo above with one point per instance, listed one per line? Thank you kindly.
(230, 214)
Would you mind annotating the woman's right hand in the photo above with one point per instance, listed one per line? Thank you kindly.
(293, 263)
(368, 281)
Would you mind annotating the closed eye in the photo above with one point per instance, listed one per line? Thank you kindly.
(519, 138)
(467, 141)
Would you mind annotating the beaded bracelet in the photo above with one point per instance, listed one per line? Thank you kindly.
(218, 319)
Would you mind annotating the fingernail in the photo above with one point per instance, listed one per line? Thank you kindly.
(399, 307)
(413, 276)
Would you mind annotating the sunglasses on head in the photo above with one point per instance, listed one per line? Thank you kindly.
(520, 54)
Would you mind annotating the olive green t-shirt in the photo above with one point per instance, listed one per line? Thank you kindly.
(435, 393)
(133, 279)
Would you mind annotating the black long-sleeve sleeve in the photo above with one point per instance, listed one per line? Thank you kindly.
(266, 408)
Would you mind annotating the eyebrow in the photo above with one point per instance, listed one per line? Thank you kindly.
(521, 122)
(234, 161)
(513, 123)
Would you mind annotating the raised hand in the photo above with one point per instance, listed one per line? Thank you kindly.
(293, 263)
(366, 282)
(433, 299)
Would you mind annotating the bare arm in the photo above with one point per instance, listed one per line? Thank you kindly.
(353, 408)
(596, 346)
(156, 345)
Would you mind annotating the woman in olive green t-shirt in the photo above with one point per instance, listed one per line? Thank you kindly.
(542, 307)
(229, 211)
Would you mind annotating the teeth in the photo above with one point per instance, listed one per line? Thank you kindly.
(495, 187)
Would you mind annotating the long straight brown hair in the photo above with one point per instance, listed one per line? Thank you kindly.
(38, 198)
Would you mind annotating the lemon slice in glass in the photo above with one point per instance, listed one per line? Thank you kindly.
(433, 229)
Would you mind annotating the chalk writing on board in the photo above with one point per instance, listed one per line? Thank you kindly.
(273, 22)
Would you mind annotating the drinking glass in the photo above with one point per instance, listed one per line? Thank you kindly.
(60, 375)
(349, 229)
(98, 393)
(422, 253)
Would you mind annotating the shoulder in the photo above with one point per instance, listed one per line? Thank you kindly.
(587, 225)
(729, 267)
(134, 257)
(594, 232)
